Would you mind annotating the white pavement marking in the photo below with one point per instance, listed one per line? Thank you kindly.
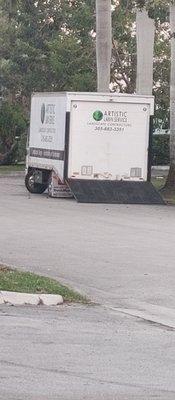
(150, 312)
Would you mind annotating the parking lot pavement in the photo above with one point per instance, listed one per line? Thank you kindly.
(121, 256)
(116, 254)
(83, 352)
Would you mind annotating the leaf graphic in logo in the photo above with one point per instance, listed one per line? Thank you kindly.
(98, 115)
(43, 111)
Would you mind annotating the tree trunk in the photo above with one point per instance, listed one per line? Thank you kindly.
(11, 8)
(145, 49)
(103, 44)
(7, 158)
(170, 183)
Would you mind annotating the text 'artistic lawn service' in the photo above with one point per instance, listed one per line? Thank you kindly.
(110, 121)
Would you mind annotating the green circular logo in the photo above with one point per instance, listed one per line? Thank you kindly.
(97, 115)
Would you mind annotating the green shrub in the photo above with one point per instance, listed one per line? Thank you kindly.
(13, 124)
(160, 150)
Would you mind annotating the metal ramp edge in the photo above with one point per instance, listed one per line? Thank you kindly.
(114, 192)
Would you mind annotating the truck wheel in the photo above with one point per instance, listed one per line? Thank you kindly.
(32, 186)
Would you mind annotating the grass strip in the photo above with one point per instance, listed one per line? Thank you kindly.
(27, 282)
(8, 169)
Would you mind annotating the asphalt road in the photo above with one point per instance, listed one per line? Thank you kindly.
(83, 353)
(116, 254)
(121, 257)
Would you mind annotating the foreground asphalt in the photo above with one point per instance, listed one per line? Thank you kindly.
(83, 353)
(122, 257)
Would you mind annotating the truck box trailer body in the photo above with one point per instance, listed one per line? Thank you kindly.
(93, 146)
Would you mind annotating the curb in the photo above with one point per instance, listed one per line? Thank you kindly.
(21, 299)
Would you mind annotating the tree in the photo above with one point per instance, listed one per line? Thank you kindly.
(124, 53)
(39, 33)
(170, 183)
(158, 11)
(12, 125)
(161, 17)
(103, 44)
(44, 46)
(71, 55)
(167, 20)
(50, 45)
(123, 66)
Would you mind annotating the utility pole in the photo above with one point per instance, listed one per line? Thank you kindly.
(103, 44)
(145, 48)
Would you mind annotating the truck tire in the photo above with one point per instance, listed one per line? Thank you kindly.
(32, 186)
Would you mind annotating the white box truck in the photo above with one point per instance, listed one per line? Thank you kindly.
(93, 146)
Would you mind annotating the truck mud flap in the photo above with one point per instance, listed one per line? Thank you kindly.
(114, 192)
